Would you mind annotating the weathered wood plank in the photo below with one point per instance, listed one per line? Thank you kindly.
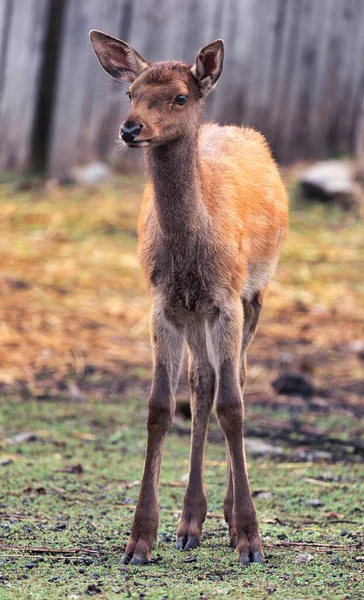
(293, 69)
(83, 89)
(24, 48)
(5, 17)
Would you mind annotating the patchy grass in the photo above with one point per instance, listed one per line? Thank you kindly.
(46, 502)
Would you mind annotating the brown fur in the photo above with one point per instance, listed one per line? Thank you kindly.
(213, 217)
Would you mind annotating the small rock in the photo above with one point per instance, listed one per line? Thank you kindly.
(92, 174)
(263, 495)
(315, 503)
(22, 438)
(312, 455)
(320, 455)
(303, 558)
(329, 180)
(293, 384)
(359, 559)
(5, 461)
(31, 565)
(259, 447)
(335, 560)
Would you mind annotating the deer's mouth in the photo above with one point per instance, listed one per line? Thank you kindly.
(138, 143)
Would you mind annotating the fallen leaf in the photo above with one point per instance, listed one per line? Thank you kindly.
(88, 437)
(333, 515)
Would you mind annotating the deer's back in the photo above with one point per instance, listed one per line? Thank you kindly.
(243, 188)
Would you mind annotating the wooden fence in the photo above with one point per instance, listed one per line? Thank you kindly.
(294, 69)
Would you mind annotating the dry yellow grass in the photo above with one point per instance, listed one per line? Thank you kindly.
(71, 294)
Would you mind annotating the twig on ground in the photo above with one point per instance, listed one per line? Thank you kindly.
(327, 484)
(310, 545)
(49, 550)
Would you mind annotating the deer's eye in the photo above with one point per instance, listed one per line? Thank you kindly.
(128, 94)
(181, 99)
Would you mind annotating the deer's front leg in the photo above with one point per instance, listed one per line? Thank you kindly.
(227, 337)
(167, 342)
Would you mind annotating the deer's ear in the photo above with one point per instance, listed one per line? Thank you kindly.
(208, 66)
(118, 59)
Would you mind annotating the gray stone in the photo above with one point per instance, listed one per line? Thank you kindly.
(259, 447)
(22, 438)
(329, 180)
(315, 503)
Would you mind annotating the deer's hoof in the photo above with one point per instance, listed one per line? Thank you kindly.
(233, 541)
(185, 542)
(139, 559)
(247, 557)
(134, 558)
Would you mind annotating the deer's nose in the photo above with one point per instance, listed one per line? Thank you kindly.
(130, 131)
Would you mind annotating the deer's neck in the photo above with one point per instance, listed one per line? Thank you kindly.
(174, 170)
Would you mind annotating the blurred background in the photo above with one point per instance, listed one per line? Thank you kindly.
(293, 69)
(75, 357)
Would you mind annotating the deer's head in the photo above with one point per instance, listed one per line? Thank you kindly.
(165, 96)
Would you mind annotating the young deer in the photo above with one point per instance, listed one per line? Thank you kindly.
(213, 216)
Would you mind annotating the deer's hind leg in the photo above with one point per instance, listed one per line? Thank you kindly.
(202, 380)
(252, 310)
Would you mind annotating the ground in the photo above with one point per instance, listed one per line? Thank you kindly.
(74, 380)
